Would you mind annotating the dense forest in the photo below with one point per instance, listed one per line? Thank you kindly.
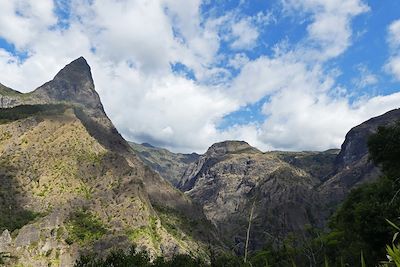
(362, 232)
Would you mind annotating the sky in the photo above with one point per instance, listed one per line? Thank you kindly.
(184, 74)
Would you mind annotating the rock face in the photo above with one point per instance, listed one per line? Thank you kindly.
(232, 176)
(73, 84)
(352, 165)
(70, 183)
(9, 97)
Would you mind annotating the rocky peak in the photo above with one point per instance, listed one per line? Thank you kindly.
(355, 145)
(230, 147)
(74, 83)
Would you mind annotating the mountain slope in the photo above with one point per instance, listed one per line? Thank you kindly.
(169, 165)
(71, 184)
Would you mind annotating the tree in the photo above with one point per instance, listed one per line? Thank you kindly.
(359, 224)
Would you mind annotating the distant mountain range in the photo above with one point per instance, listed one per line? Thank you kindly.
(70, 184)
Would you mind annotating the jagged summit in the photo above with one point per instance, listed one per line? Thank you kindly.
(76, 71)
(230, 146)
(74, 83)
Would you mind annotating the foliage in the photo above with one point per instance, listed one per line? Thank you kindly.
(83, 227)
(149, 231)
(119, 258)
(359, 224)
(25, 111)
(4, 256)
(12, 219)
(384, 148)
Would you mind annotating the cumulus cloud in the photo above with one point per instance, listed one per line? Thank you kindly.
(365, 78)
(244, 35)
(171, 111)
(329, 33)
(393, 64)
(21, 21)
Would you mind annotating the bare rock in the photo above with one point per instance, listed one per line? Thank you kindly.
(28, 235)
(5, 240)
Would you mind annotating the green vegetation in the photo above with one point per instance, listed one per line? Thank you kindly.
(14, 219)
(147, 231)
(25, 111)
(83, 228)
(86, 191)
(384, 148)
(135, 258)
(180, 225)
(4, 256)
(359, 224)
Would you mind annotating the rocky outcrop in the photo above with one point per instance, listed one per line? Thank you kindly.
(352, 165)
(355, 146)
(72, 84)
(9, 98)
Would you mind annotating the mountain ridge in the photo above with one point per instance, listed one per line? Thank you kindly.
(76, 186)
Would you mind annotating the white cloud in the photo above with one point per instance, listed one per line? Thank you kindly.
(365, 78)
(394, 34)
(170, 111)
(329, 33)
(21, 21)
(393, 64)
(306, 110)
(244, 35)
(238, 61)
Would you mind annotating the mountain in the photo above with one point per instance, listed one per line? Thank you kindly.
(70, 184)
(352, 165)
(290, 191)
(170, 166)
(232, 176)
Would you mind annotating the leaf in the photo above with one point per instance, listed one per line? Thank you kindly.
(393, 225)
(395, 237)
(326, 262)
(362, 260)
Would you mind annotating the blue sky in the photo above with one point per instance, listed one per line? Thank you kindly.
(279, 74)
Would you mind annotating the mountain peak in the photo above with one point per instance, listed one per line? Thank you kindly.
(230, 146)
(79, 67)
(73, 83)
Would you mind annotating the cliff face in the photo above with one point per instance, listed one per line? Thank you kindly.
(70, 183)
(74, 84)
(232, 176)
(352, 165)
